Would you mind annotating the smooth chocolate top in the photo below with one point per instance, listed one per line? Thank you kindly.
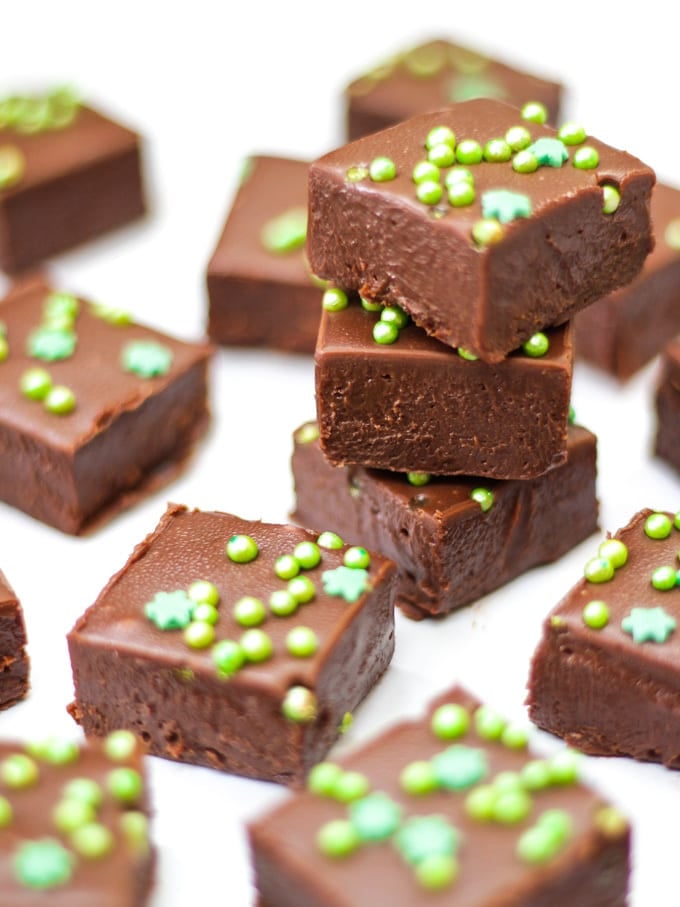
(109, 881)
(270, 187)
(103, 389)
(189, 545)
(490, 870)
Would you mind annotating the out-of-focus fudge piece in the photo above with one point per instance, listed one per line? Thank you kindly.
(67, 175)
(623, 331)
(14, 664)
(606, 673)
(415, 404)
(435, 73)
(444, 534)
(235, 644)
(260, 289)
(667, 441)
(95, 410)
(74, 824)
(450, 808)
(484, 226)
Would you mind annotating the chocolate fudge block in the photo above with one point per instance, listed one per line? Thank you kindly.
(95, 410)
(451, 808)
(623, 331)
(443, 535)
(260, 687)
(14, 664)
(74, 824)
(67, 175)
(481, 255)
(433, 74)
(667, 441)
(260, 289)
(417, 405)
(605, 675)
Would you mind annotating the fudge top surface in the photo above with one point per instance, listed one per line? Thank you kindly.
(440, 72)
(103, 388)
(481, 120)
(49, 153)
(190, 546)
(288, 834)
(111, 879)
(264, 234)
(641, 610)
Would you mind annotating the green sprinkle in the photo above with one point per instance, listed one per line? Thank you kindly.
(346, 723)
(425, 170)
(382, 169)
(256, 646)
(43, 864)
(571, 133)
(19, 771)
(534, 112)
(450, 721)
(536, 845)
(672, 234)
(549, 152)
(170, 610)
(120, 745)
(349, 583)
(228, 657)
(125, 784)
(111, 314)
(487, 232)
(283, 603)
(302, 589)
(135, 828)
(525, 162)
(57, 751)
(429, 192)
(459, 767)
(571, 417)
(466, 354)
(356, 174)
(483, 497)
(536, 346)
(596, 615)
(85, 790)
(497, 151)
(479, 803)
(505, 206)
(308, 433)
(664, 578)
(199, 634)
(536, 775)
(4, 347)
(511, 807)
(458, 175)
(322, 778)
(50, 344)
(375, 817)
(206, 613)
(418, 778)
(385, 332)
(299, 705)
(368, 306)
(350, 786)
(285, 233)
(586, 158)
(146, 358)
(437, 872)
(469, 151)
(307, 555)
(564, 767)
(598, 570)
(422, 837)
(418, 478)
(337, 838)
(68, 815)
(357, 557)
(518, 137)
(6, 812)
(286, 566)
(649, 625)
(302, 642)
(242, 549)
(489, 724)
(461, 194)
(515, 737)
(12, 165)
(249, 611)
(330, 540)
(60, 400)
(204, 592)
(611, 198)
(441, 155)
(658, 526)
(440, 135)
(394, 314)
(334, 300)
(92, 841)
(61, 305)
(610, 822)
(615, 551)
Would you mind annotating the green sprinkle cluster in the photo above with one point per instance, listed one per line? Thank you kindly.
(55, 109)
(611, 555)
(36, 384)
(392, 320)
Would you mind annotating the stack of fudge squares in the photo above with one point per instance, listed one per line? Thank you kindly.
(459, 245)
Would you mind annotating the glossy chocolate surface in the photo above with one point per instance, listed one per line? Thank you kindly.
(416, 405)
(378, 239)
(667, 441)
(605, 693)
(14, 663)
(257, 296)
(290, 869)
(441, 539)
(126, 434)
(130, 673)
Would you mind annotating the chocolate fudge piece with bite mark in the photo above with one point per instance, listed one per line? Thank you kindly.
(605, 675)
(235, 644)
(14, 663)
(417, 405)
(667, 401)
(623, 331)
(74, 823)
(67, 174)
(444, 533)
(261, 292)
(435, 73)
(448, 808)
(483, 226)
(95, 410)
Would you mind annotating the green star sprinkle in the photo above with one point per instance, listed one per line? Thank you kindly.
(43, 864)
(549, 152)
(649, 624)
(50, 344)
(375, 817)
(349, 583)
(285, 233)
(170, 610)
(504, 205)
(146, 358)
(459, 767)
(426, 836)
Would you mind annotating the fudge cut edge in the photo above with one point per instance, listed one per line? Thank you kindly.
(14, 661)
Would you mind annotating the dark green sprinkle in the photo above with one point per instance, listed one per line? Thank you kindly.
(170, 610)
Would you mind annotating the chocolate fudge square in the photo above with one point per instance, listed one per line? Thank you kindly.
(14, 663)
(260, 289)
(417, 405)
(623, 331)
(605, 675)
(235, 644)
(67, 174)
(667, 401)
(489, 244)
(74, 824)
(435, 73)
(95, 410)
(444, 534)
(450, 808)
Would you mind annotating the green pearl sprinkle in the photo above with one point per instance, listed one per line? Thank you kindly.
(611, 198)
(488, 723)
(257, 646)
(418, 478)
(461, 194)
(458, 175)
(564, 767)
(322, 778)
(302, 589)
(480, 802)
(228, 657)
(249, 611)
(664, 578)
(658, 526)
(615, 551)
(487, 231)
(199, 634)
(4, 348)
(596, 615)
(57, 751)
(368, 306)
(356, 174)
(125, 784)
(120, 745)
(586, 158)
(525, 162)
(351, 786)
(282, 603)
(469, 151)
(535, 775)
(60, 400)
(299, 705)
(437, 871)
(302, 642)
(534, 112)
(429, 192)
(334, 300)
(19, 771)
(385, 333)
(357, 557)
(394, 314)
(241, 549)
(497, 151)
(441, 155)
(61, 304)
(337, 838)
(6, 812)
(466, 354)
(440, 135)
(536, 346)
(135, 828)
(203, 592)
(307, 555)
(515, 737)
(330, 540)
(571, 133)
(86, 790)
(35, 383)
(512, 807)
(206, 613)
(382, 169)
(450, 721)
(518, 137)
(598, 570)
(68, 815)
(92, 841)
(425, 170)
(483, 497)
(286, 566)
(418, 778)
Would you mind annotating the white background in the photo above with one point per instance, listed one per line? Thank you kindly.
(208, 84)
